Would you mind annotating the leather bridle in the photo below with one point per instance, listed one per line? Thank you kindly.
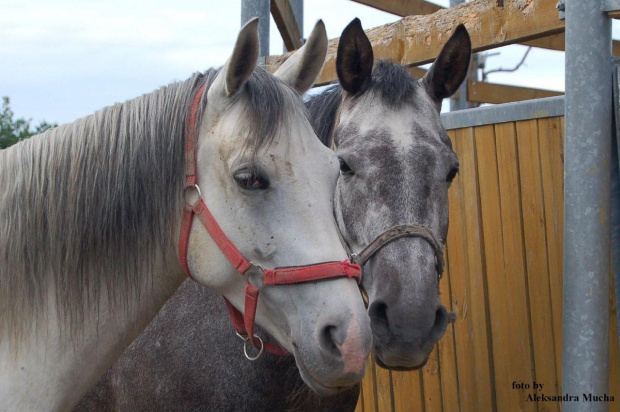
(257, 277)
(398, 232)
(391, 234)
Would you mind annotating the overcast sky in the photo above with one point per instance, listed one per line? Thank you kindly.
(64, 59)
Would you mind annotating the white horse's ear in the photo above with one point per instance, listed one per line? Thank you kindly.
(301, 70)
(237, 70)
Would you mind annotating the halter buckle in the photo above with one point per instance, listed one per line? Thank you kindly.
(255, 275)
(355, 258)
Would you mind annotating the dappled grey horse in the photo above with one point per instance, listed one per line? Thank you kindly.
(396, 165)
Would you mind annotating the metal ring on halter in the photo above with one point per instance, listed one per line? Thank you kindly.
(245, 348)
(197, 188)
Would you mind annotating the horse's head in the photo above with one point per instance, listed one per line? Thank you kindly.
(269, 183)
(397, 162)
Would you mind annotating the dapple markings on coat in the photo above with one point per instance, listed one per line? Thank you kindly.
(397, 164)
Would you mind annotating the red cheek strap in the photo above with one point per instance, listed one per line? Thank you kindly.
(244, 323)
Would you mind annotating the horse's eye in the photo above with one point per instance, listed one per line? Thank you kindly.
(345, 170)
(250, 180)
(452, 174)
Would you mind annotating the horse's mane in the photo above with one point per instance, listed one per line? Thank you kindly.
(322, 112)
(391, 81)
(86, 208)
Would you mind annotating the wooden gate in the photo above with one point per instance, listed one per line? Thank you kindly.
(503, 277)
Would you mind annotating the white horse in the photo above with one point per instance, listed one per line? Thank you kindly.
(90, 216)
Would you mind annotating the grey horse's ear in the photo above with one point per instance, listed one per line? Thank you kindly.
(301, 70)
(355, 58)
(449, 70)
(242, 62)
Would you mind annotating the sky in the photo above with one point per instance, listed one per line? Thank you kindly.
(64, 59)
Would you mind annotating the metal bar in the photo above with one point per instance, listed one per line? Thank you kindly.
(502, 113)
(260, 9)
(615, 193)
(585, 346)
(615, 224)
(611, 5)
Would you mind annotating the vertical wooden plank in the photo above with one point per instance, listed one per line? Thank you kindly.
(407, 391)
(368, 387)
(536, 257)
(467, 280)
(447, 354)
(504, 260)
(360, 401)
(431, 383)
(552, 167)
(384, 389)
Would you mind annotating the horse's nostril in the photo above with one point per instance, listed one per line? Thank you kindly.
(441, 322)
(329, 339)
(379, 319)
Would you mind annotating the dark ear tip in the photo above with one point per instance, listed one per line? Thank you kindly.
(461, 31)
(252, 22)
(356, 24)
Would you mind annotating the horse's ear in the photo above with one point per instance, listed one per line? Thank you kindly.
(354, 59)
(303, 67)
(243, 61)
(449, 70)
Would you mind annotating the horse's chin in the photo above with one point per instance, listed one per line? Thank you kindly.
(315, 384)
(391, 361)
(400, 368)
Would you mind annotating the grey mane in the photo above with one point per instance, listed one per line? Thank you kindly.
(86, 208)
(322, 112)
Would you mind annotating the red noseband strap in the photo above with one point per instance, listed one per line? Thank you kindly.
(257, 277)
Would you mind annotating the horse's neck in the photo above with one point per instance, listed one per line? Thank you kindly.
(53, 370)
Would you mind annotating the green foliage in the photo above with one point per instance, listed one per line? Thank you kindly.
(14, 130)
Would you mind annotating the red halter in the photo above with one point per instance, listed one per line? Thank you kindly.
(244, 323)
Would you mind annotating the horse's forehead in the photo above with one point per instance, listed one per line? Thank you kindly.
(294, 140)
(411, 123)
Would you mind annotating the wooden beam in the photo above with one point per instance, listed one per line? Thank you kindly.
(287, 25)
(482, 92)
(402, 7)
(414, 7)
(416, 40)
(615, 14)
(556, 42)
(417, 72)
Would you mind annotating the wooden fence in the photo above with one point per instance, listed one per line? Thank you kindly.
(503, 280)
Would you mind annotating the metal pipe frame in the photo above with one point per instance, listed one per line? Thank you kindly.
(260, 9)
(585, 346)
